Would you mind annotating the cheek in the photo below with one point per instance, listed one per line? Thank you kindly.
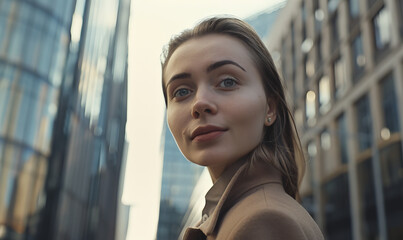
(251, 116)
(175, 123)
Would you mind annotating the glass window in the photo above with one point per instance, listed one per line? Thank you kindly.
(35, 112)
(336, 199)
(325, 144)
(335, 30)
(312, 152)
(6, 85)
(303, 15)
(354, 8)
(318, 53)
(400, 6)
(392, 179)
(342, 134)
(22, 102)
(364, 123)
(332, 5)
(340, 78)
(310, 107)
(382, 29)
(367, 197)
(3, 23)
(389, 106)
(324, 94)
(32, 50)
(319, 16)
(358, 58)
(17, 41)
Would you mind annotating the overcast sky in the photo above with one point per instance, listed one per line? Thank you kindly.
(152, 24)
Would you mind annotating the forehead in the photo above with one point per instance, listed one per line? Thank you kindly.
(202, 51)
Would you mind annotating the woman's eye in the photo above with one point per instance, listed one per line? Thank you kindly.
(228, 82)
(181, 92)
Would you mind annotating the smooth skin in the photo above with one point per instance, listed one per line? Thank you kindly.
(216, 104)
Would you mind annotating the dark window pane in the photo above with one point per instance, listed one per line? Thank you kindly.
(354, 8)
(342, 137)
(392, 179)
(367, 197)
(364, 123)
(400, 6)
(389, 104)
(337, 208)
(358, 58)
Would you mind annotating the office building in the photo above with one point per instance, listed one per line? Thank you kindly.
(63, 84)
(179, 176)
(342, 64)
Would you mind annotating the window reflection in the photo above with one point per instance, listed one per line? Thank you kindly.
(340, 79)
(324, 94)
(310, 107)
(358, 58)
(382, 29)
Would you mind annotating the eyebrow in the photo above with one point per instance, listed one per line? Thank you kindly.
(210, 68)
(222, 63)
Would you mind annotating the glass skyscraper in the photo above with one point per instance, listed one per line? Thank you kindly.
(63, 84)
(179, 176)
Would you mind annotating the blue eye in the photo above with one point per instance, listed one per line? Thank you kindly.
(228, 83)
(181, 92)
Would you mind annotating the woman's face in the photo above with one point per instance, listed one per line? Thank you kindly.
(217, 107)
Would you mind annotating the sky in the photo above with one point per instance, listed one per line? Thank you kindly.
(152, 23)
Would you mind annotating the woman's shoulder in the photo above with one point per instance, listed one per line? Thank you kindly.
(268, 213)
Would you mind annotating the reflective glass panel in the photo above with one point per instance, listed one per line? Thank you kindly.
(358, 58)
(342, 134)
(389, 104)
(364, 123)
(392, 179)
(336, 199)
(340, 78)
(366, 188)
(382, 29)
(324, 94)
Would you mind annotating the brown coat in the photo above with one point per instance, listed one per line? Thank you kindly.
(248, 202)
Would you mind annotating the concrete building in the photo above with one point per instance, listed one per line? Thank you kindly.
(342, 64)
(63, 94)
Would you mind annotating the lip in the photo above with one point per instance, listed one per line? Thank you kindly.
(208, 132)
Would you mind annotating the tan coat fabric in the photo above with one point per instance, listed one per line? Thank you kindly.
(248, 202)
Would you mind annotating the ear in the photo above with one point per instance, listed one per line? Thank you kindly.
(271, 112)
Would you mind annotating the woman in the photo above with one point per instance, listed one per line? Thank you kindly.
(227, 111)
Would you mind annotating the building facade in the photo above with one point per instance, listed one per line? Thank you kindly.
(342, 64)
(63, 94)
(179, 176)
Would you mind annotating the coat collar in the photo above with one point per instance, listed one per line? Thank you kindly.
(241, 177)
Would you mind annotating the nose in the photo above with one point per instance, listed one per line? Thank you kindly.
(203, 104)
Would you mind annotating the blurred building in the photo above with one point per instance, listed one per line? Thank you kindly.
(263, 21)
(342, 62)
(179, 176)
(63, 90)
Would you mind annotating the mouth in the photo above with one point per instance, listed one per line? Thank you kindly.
(205, 133)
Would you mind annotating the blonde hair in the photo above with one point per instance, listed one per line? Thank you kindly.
(280, 145)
